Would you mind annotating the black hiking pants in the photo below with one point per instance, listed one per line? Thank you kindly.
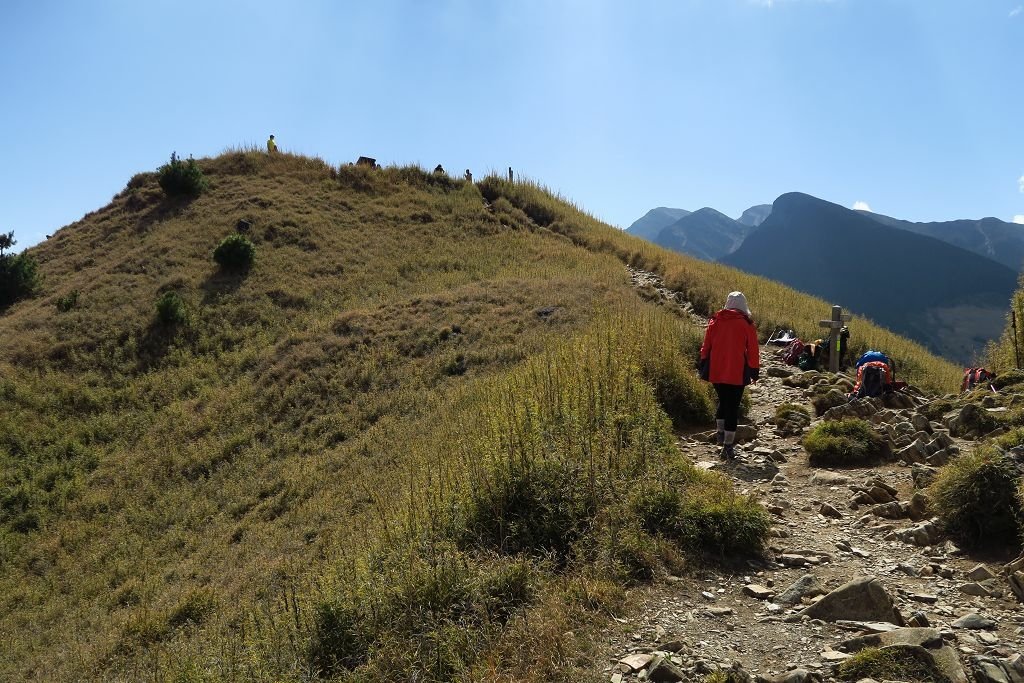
(729, 396)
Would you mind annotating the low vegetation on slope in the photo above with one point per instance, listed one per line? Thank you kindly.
(426, 431)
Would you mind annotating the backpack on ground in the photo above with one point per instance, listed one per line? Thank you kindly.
(791, 356)
(874, 356)
(974, 377)
(874, 378)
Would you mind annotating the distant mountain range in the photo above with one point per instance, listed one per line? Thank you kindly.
(946, 285)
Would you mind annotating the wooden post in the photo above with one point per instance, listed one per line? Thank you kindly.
(834, 325)
(510, 174)
(1016, 351)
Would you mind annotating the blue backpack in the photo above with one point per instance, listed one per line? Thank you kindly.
(870, 356)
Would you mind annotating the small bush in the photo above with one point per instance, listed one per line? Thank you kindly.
(1008, 379)
(170, 310)
(845, 443)
(68, 301)
(703, 516)
(936, 409)
(531, 508)
(19, 274)
(182, 178)
(977, 499)
(235, 253)
(791, 411)
(895, 663)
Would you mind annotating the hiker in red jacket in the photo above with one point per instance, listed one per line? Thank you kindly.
(730, 359)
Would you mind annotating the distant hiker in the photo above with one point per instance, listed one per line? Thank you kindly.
(469, 176)
(439, 170)
(271, 145)
(730, 359)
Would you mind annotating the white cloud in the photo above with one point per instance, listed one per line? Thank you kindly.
(1016, 10)
(1019, 219)
(861, 206)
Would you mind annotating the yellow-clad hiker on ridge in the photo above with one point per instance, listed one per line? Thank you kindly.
(271, 146)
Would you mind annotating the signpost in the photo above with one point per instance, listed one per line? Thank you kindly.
(834, 325)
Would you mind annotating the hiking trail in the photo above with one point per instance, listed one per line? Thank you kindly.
(713, 616)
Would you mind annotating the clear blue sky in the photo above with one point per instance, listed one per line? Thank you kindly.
(915, 107)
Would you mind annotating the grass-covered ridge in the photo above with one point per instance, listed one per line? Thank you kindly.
(408, 359)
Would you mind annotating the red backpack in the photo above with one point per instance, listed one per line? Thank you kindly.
(793, 352)
(975, 376)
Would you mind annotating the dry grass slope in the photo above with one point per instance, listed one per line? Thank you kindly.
(409, 359)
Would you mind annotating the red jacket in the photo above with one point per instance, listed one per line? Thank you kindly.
(731, 343)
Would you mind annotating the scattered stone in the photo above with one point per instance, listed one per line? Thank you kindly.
(792, 676)
(664, 671)
(974, 621)
(807, 586)
(976, 589)
(719, 611)
(924, 534)
(923, 476)
(889, 511)
(826, 478)
(758, 591)
(926, 598)
(1016, 581)
(919, 507)
(980, 573)
(776, 371)
(829, 511)
(637, 661)
(863, 599)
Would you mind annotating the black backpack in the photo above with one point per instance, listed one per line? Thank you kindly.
(872, 382)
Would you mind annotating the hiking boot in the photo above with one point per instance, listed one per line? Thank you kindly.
(728, 452)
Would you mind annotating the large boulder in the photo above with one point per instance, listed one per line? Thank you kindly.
(863, 599)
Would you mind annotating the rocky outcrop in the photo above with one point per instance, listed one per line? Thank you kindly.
(863, 599)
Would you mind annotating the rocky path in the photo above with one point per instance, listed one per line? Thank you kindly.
(830, 527)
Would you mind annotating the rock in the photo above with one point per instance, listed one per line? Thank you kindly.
(989, 669)
(807, 586)
(926, 598)
(758, 591)
(863, 599)
(919, 507)
(923, 643)
(1016, 581)
(976, 589)
(672, 646)
(664, 671)
(745, 433)
(891, 510)
(829, 511)
(881, 494)
(792, 560)
(923, 476)
(921, 423)
(832, 399)
(776, 371)
(974, 621)
(826, 478)
(980, 573)
(637, 661)
(792, 676)
(926, 533)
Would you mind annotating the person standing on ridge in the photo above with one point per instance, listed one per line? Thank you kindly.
(271, 146)
(730, 359)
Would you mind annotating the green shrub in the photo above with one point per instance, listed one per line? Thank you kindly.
(897, 663)
(845, 443)
(170, 310)
(936, 409)
(790, 411)
(536, 508)
(19, 274)
(235, 253)
(68, 301)
(1008, 379)
(182, 178)
(977, 499)
(703, 516)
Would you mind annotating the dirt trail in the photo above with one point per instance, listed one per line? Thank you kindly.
(716, 622)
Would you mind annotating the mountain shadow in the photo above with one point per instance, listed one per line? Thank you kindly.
(949, 299)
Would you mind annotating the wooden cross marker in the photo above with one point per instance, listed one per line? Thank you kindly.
(834, 325)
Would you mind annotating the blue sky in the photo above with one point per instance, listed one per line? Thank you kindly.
(914, 107)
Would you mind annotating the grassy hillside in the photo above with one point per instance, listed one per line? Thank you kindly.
(430, 431)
